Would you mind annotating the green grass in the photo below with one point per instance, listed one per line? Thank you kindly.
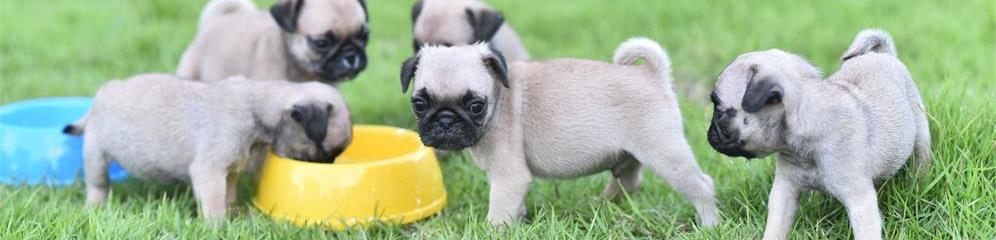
(70, 47)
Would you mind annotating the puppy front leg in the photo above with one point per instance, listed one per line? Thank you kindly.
(862, 210)
(783, 202)
(508, 194)
(209, 183)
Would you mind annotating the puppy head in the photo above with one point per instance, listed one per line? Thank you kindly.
(451, 23)
(314, 126)
(748, 118)
(327, 38)
(455, 92)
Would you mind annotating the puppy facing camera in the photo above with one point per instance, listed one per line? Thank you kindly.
(837, 135)
(464, 22)
(163, 128)
(560, 119)
(295, 39)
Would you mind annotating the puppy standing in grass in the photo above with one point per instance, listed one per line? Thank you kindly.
(556, 119)
(837, 135)
(296, 40)
(163, 128)
(462, 22)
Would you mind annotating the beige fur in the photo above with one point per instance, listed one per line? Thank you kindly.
(234, 38)
(445, 22)
(836, 135)
(568, 118)
(163, 128)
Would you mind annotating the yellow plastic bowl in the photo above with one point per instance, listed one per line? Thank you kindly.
(386, 175)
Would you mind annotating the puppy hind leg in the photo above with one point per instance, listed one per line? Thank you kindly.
(625, 177)
(95, 163)
(676, 164)
(861, 202)
(921, 149)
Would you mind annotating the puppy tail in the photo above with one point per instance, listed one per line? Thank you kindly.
(643, 48)
(870, 40)
(76, 128)
(217, 8)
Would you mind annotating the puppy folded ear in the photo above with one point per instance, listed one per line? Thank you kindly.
(763, 89)
(314, 118)
(485, 22)
(496, 64)
(285, 13)
(416, 11)
(408, 71)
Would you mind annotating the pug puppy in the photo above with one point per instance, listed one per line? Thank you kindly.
(463, 22)
(296, 39)
(837, 135)
(560, 119)
(162, 128)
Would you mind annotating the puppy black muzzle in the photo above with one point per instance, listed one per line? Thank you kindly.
(723, 139)
(344, 64)
(448, 131)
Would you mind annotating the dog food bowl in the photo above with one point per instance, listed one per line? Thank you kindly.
(386, 175)
(33, 149)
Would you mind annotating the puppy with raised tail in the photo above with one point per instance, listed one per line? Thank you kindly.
(563, 119)
(837, 135)
(296, 39)
(463, 22)
(163, 128)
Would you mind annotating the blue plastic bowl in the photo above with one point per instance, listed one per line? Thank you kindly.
(33, 149)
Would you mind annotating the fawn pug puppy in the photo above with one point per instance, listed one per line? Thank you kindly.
(163, 128)
(297, 40)
(462, 22)
(836, 135)
(556, 119)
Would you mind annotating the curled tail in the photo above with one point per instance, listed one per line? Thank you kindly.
(870, 40)
(640, 47)
(217, 8)
(76, 128)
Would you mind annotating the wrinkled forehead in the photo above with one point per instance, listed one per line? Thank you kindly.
(451, 71)
(732, 83)
(339, 16)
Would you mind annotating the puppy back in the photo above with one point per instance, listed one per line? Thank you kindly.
(870, 40)
(218, 8)
(643, 48)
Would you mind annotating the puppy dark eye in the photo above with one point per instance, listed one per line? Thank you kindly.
(364, 34)
(447, 44)
(321, 43)
(419, 105)
(476, 107)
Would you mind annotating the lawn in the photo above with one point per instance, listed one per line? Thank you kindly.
(70, 47)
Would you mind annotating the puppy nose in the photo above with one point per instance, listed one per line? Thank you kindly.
(446, 119)
(351, 60)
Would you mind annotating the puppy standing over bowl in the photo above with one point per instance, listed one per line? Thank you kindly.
(296, 40)
(462, 22)
(556, 119)
(836, 135)
(163, 128)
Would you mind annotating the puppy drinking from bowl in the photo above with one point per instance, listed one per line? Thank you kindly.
(836, 135)
(561, 118)
(163, 128)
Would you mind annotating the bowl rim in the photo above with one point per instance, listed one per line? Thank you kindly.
(419, 152)
(25, 104)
